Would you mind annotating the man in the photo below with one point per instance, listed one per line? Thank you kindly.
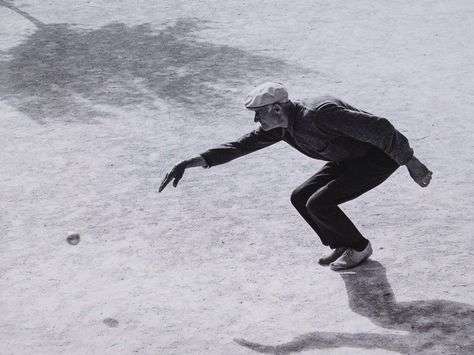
(362, 151)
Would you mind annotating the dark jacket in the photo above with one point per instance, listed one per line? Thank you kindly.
(327, 129)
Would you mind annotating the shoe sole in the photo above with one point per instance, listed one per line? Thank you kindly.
(327, 261)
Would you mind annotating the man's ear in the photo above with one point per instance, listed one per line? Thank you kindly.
(277, 108)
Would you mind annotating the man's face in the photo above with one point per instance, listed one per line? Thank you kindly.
(270, 116)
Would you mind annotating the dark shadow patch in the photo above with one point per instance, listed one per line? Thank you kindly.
(434, 326)
(62, 71)
(110, 322)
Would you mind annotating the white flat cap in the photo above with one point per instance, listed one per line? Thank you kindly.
(266, 94)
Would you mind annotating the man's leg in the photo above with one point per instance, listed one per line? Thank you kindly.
(302, 193)
(358, 176)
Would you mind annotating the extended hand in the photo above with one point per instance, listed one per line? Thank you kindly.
(176, 173)
(419, 172)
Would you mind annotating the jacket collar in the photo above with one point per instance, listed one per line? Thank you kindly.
(296, 111)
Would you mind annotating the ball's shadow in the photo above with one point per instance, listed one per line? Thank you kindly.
(434, 326)
(67, 72)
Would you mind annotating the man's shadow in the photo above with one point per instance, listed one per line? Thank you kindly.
(433, 326)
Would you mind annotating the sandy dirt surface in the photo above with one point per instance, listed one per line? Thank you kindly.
(99, 99)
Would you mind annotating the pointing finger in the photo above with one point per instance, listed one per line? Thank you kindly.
(165, 182)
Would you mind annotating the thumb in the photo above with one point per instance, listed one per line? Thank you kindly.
(175, 181)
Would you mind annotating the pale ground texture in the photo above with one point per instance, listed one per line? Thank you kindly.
(99, 99)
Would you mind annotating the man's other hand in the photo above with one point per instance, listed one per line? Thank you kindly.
(419, 172)
(176, 173)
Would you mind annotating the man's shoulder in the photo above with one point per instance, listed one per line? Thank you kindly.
(319, 102)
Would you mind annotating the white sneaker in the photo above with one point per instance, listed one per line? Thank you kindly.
(351, 258)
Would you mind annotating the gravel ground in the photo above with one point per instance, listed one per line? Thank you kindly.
(99, 99)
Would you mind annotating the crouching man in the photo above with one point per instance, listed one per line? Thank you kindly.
(362, 150)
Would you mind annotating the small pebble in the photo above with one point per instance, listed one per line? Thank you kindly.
(73, 239)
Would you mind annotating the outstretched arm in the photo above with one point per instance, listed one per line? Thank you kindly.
(255, 140)
(223, 153)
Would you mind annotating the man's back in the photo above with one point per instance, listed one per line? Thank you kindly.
(319, 102)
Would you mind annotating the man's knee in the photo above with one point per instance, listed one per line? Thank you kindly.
(298, 198)
(315, 203)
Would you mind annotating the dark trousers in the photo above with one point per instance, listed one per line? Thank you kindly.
(317, 199)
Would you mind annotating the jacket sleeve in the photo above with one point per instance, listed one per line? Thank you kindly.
(369, 128)
(255, 140)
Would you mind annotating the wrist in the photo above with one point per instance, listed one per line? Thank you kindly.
(413, 160)
(197, 161)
